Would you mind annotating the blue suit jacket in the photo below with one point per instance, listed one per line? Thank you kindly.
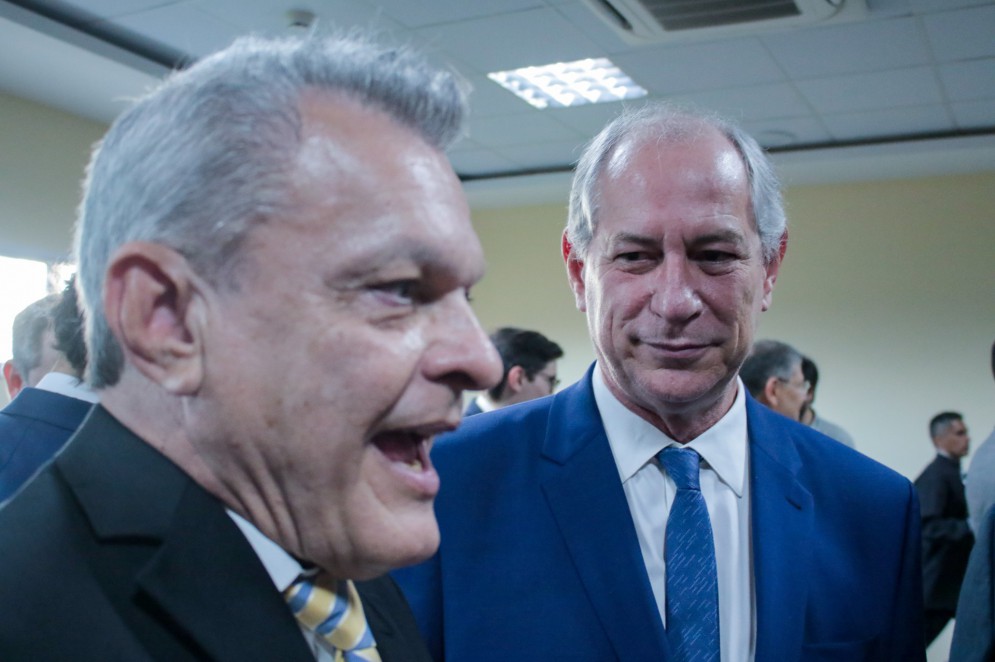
(33, 427)
(539, 558)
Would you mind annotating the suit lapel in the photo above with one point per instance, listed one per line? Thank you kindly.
(202, 577)
(782, 536)
(391, 621)
(208, 579)
(583, 491)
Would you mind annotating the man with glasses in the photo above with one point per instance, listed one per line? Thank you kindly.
(529, 360)
(773, 375)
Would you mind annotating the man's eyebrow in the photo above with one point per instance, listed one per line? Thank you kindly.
(632, 238)
(717, 237)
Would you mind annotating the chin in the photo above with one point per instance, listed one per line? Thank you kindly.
(406, 546)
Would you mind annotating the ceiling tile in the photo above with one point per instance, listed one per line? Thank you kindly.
(521, 129)
(788, 131)
(966, 81)
(589, 120)
(960, 35)
(421, 14)
(926, 6)
(890, 122)
(271, 17)
(854, 47)
(534, 37)
(974, 114)
(488, 99)
(885, 89)
(543, 155)
(758, 102)
(689, 67)
(183, 27)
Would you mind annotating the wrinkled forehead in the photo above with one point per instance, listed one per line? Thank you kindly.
(668, 150)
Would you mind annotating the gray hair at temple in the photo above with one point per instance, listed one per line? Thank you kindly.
(666, 123)
(768, 358)
(205, 157)
(28, 332)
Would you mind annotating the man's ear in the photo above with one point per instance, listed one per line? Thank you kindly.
(15, 382)
(772, 270)
(769, 395)
(516, 377)
(575, 272)
(154, 305)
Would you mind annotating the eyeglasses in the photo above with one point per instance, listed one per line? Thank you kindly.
(804, 386)
(552, 380)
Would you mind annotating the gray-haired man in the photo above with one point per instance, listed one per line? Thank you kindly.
(274, 256)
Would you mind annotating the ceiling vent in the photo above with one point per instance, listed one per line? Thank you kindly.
(641, 21)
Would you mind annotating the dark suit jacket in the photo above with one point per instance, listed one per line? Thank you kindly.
(974, 634)
(33, 427)
(946, 535)
(114, 553)
(540, 560)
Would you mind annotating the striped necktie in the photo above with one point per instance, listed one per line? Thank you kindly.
(335, 616)
(692, 580)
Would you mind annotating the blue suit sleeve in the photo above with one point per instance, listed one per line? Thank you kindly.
(906, 640)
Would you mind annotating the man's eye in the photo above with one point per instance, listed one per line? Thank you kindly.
(399, 291)
(715, 256)
(631, 256)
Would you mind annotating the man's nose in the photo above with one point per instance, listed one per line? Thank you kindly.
(675, 296)
(463, 355)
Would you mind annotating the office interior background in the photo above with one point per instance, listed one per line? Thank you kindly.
(880, 115)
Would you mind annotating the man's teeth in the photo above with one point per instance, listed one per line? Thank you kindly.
(415, 464)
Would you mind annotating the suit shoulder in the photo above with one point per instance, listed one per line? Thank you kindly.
(837, 462)
(490, 427)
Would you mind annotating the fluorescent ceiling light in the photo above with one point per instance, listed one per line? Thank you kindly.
(595, 80)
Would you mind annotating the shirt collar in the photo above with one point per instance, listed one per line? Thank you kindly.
(485, 403)
(67, 385)
(635, 442)
(283, 568)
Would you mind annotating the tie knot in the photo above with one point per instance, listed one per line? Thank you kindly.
(682, 465)
(336, 615)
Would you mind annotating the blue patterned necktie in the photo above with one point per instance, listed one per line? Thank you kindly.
(336, 616)
(689, 553)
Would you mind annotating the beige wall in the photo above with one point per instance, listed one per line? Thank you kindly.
(888, 286)
(43, 153)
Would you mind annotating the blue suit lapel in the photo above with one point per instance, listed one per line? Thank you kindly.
(782, 535)
(582, 488)
(52, 408)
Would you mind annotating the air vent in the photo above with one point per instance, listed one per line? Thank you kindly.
(659, 20)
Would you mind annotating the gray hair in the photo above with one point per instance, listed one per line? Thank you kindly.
(205, 157)
(663, 122)
(769, 358)
(29, 329)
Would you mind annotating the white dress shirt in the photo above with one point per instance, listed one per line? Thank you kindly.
(725, 486)
(283, 569)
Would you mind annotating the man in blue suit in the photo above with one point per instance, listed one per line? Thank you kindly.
(653, 510)
(46, 411)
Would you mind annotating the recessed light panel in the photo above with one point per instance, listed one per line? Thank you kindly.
(564, 84)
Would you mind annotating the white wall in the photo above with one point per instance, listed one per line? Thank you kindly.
(43, 153)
